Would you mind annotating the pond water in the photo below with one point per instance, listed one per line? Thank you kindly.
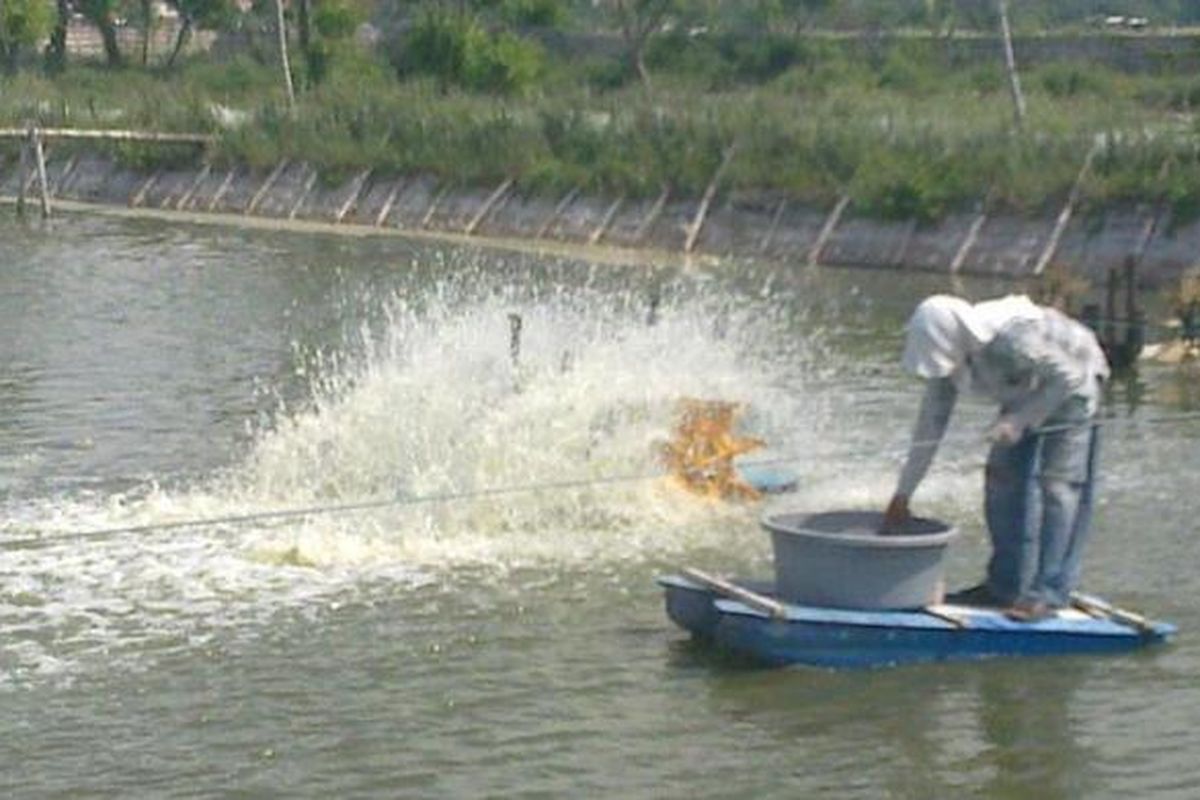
(478, 615)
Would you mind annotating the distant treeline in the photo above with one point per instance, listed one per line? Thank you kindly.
(478, 91)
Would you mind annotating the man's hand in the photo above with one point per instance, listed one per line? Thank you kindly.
(896, 515)
(1005, 432)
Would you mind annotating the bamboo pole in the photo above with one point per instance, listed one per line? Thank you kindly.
(111, 135)
(566, 200)
(40, 162)
(910, 230)
(968, 243)
(382, 216)
(186, 197)
(1064, 216)
(309, 183)
(1010, 66)
(22, 177)
(1150, 227)
(281, 29)
(360, 180)
(433, 206)
(221, 190)
(765, 244)
(60, 184)
(609, 216)
(499, 192)
(710, 191)
(140, 195)
(652, 216)
(831, 223)
(266, 186)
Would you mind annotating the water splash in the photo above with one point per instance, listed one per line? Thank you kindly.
(428, 398)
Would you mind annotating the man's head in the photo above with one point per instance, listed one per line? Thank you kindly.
(941, 333)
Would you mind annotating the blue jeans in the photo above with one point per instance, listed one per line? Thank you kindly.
(1038, 498)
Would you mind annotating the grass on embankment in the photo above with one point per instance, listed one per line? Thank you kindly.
(907, 137)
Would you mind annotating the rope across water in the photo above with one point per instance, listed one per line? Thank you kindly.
(56, 537)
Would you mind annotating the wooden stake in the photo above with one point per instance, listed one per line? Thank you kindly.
(766, 241)
(433, 207)
(186, 197)
(652, 216)
(609, 215)
(831, 222)
(389, 202)
(140, 195)
(499, 192)
(902, 251)
(1064, 216)
(22, 177)
(709, 192)
(60, 183)
(309, 183)
(262, 190)
(221, 190)
(1010, 66)
(360, 180)
(968, 243)
(567, 199)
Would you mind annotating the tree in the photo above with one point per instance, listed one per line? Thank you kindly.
(23, 23)
(639, 20)
(321, 25)
(103, 14)
(212, 13)
(56, 48)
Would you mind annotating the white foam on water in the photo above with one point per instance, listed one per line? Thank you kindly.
(429, 408)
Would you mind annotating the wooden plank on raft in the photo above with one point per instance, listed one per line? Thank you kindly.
(567, 199)
(499, 192)
(606, 221)
(221, 190)
(831, 223)
(761, 603)
(390, 201)
(305, 190)
(186, 197)
(266, 187)
(360, 180)
(1100, 609)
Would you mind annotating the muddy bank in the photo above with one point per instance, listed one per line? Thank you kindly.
(740, 225)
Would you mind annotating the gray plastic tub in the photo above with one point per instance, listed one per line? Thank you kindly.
(839, 559)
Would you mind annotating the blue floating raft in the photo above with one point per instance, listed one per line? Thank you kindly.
(743, 618)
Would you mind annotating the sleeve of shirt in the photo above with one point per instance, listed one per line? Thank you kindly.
(936, 406)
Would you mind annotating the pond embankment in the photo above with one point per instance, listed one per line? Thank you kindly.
(743, 224)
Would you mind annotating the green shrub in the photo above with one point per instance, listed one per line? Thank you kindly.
(455, 49)
(1072, 80)
(534, 13)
